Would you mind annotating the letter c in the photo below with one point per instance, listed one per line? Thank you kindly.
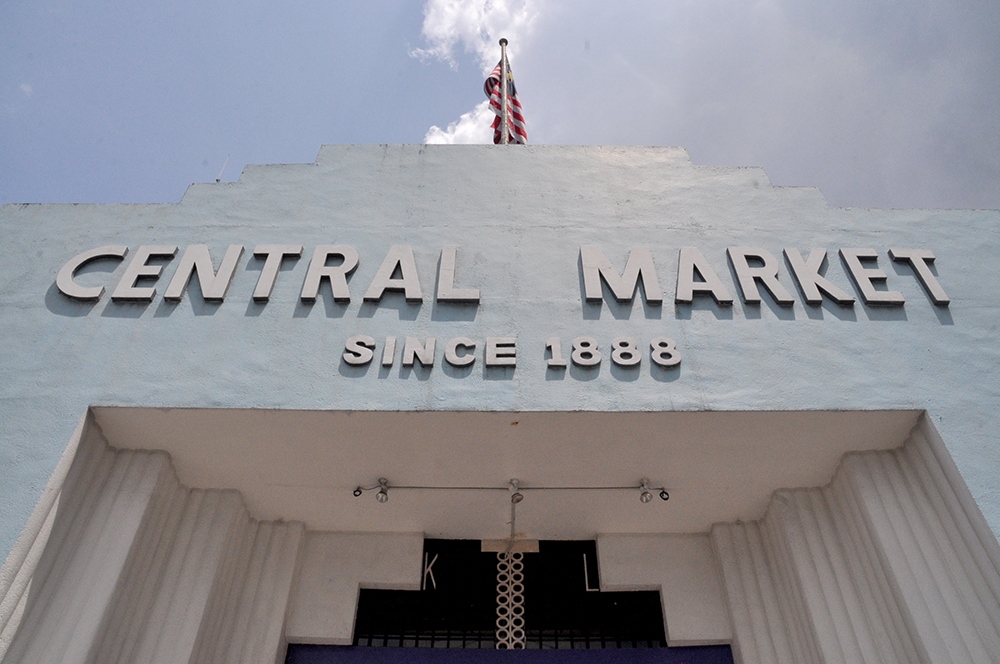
(454, 358)
(64, 280)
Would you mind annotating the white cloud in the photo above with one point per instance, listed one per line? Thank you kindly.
(875, 112)
(472, 127)
(27, 90)
(476, 26)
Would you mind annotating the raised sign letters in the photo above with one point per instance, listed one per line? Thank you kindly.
(755, 269)
(756, 273)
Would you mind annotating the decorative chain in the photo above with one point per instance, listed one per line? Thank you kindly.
(510, 601)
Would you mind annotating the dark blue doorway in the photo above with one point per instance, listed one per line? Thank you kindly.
(309, 654)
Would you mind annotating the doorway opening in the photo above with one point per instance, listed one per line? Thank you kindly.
(464, 604)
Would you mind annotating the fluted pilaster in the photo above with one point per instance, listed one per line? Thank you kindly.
(136, 568)
(891, 562)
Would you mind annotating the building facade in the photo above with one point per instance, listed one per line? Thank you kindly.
(779, 415)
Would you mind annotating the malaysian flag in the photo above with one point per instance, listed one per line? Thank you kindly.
(515, 116)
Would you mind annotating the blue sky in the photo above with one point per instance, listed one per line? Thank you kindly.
(879, 103)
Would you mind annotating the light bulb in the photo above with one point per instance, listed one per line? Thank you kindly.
(645, 496)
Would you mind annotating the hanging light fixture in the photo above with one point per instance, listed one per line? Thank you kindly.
(383, 490)
(515, 495)
(646, 495)
(514, 488)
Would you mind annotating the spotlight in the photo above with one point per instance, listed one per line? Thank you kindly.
(357, 492)
(664, 495)
(515, 495)
(645, 496)
(383, 490)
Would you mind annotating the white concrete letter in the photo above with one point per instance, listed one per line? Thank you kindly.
(335, 274)
(196, 258)
(639, 265)
(920, 260)
(766, 274)
(275, 254)
(501, 352)
(866, 277)
(691, 263)
(811, 281)
(400, 257)
(389, 352)
(138, 269)
(446, 291)
(359, 349)
(421, 352)
(64, 280)
(451, 355)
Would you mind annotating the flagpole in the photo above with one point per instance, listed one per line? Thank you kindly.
(504, 120)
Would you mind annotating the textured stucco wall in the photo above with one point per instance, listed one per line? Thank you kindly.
(519, 216)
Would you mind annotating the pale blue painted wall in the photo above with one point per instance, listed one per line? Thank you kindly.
(519, 216)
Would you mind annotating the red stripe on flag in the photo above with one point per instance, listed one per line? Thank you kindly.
(515, 115)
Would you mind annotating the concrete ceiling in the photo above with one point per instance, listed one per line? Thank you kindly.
(303, 465)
